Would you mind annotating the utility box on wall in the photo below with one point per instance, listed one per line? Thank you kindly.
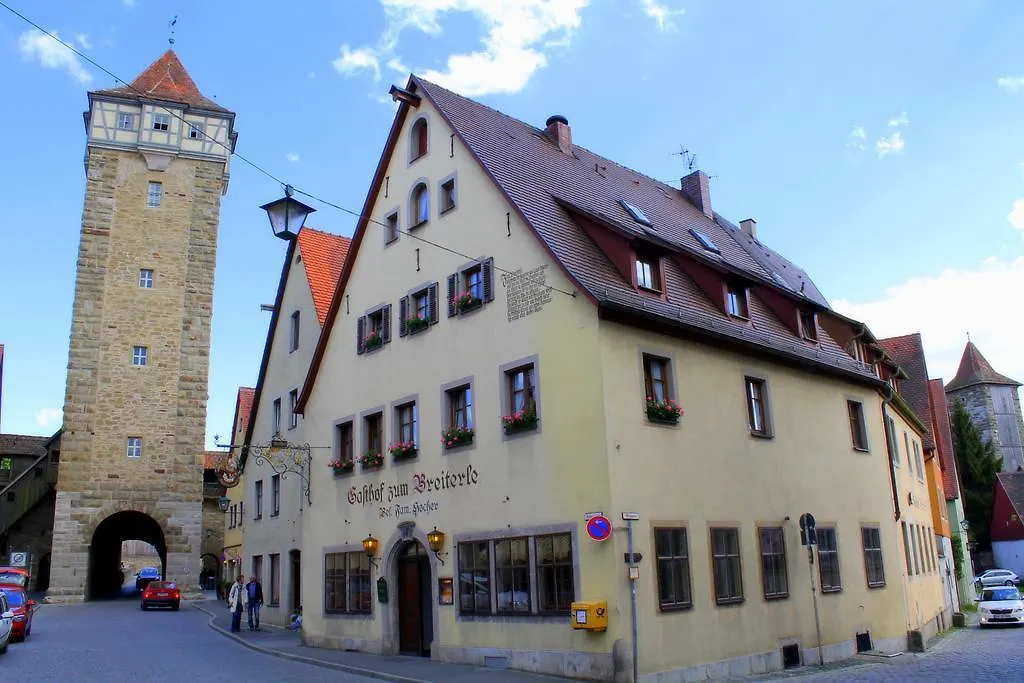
(590, 615)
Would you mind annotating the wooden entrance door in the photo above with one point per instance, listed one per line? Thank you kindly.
(414, 602)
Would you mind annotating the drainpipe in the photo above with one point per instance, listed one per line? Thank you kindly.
(886, 400)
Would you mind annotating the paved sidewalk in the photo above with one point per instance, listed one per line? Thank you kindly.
(287, 644)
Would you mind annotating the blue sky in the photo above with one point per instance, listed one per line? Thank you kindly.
(879, 145)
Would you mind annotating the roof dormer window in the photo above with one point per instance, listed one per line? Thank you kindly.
(648, 272)
(809, 325)
(736, 301)
(705, 241)
(637, 215)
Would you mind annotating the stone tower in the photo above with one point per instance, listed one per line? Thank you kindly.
(157, 159)
(994, 405)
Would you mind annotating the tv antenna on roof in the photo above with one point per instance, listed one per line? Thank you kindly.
(170, 28)
(689, 158)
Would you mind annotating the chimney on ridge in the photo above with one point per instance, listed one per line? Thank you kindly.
(558, 129)
(695, 188)
(749, 227)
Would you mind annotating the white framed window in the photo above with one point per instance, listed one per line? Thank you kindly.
(293, 417)
(126, 121)
(161, 121)
(196, 131)
(134, 446)
(276, 416)
(156, 192)
(140, 355)
(146, 278)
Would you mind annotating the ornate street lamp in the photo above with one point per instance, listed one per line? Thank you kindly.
(370, 545)
(287, 215)
(435, 539)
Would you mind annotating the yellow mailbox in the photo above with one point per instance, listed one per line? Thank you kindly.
(591, 615)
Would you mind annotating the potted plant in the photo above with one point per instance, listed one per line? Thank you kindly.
(416, 323)
(453, 437)
(340, 467)
(665, 412)
(371, 460)
(373, 340)
(403, 450)
(466, 301)
(520, 421)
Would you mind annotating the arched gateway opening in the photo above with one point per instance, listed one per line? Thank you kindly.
(105, 576)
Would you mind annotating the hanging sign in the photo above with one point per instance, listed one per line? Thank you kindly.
(599, 528)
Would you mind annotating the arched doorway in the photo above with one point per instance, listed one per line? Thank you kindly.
(415, 600)
(43, 573)
(209, 571)
(105, 577)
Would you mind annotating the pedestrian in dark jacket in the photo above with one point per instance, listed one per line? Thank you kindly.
(254, 591)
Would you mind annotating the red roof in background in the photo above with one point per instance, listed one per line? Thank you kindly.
(243, 409)
(323, 255)
(908, 352)
(166, 79)
(943, 438)
(974, 369)
(213, 459)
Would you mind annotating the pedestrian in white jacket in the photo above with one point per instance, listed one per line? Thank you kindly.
(237, 600)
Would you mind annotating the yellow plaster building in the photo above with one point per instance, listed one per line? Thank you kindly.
(234, 516)
(588, 340)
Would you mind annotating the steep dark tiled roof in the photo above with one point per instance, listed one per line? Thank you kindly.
(324, 255)
(165, 79)
(974, 369)
(541, 182)
(19, 444)
(908, 352)
(1013, 484)
(943, 438)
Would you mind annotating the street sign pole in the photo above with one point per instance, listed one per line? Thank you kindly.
(814, 600)
(632, 604)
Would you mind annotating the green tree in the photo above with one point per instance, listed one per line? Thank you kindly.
(979, 466)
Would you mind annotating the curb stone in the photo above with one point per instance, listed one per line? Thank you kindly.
(368, 673)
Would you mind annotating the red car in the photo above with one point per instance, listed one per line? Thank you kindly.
(22, 608)
(14, 576)
(161, 593)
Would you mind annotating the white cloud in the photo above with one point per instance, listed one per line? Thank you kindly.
(83, 41)
(893, 144)
(515, 34)
(661, 14)
(353, 61)
(48, 417)
(292, 157)
(128, 3)
(901, 120)
(34, 45)
(311, 75)
(943, 307)
(1016, 215)
(856, 138)
(1010, 82)
(395, 64)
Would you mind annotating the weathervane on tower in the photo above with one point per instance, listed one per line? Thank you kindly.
(170, 27)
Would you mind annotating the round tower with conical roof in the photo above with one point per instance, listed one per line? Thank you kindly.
(157, 161)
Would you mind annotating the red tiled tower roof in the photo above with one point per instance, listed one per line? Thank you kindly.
(323, 254)
(243, 408)
(974, 369)
(908, 352)
(943, 438)
(166, 79)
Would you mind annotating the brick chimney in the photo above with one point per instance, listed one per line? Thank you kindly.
(558, 129)
(749, 227)
(695, 188)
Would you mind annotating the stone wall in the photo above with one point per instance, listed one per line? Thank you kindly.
(109, 400)
(33, 533)
(979, 402)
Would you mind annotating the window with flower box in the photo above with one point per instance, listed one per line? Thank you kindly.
(344, 448)
(373, 439)
(659, 390)
(458, 417)
(417, 311)
(404, 446)
(373, 330)
(520, 409)
(347, 583)
(471, 287)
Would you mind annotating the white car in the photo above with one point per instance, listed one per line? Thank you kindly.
(1000, 605)
(6, 623)
(998, 577)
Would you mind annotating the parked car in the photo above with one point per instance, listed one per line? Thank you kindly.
(6, 621)
(1001, 605)
(22, 608)
(998, 577)
(145, 576)
(161, 594)
(14, 576)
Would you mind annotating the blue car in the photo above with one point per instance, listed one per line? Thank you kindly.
(145, 575)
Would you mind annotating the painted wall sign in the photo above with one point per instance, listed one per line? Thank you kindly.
(446, 480)
(526, 293)
(599, 528)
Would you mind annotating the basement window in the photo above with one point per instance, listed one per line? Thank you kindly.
(636, 213)
(705, 241)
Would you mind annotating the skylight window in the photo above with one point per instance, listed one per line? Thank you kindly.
(705, 241)
(636, 213)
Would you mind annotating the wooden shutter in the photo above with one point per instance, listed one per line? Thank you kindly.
(386, 323)
(451, 294)
(432, 303)
(487, 275)
(403, 316)
(361, 334)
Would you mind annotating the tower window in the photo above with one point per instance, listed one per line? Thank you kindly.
(196, 131)
(134, 446)
(418, 142)
(146, 278)
(140, 354)
(161, 122)
(155, 195)
(126, 121)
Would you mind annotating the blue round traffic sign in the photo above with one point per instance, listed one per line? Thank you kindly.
(599, 528)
